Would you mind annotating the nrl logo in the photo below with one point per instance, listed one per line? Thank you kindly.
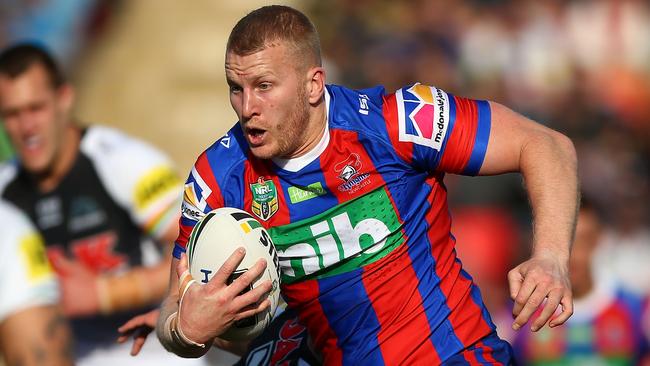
(265, 199)
(349, 173)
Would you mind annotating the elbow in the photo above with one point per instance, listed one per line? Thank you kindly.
(565, 148)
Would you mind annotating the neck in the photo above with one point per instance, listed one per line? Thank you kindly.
(63, 161)
(314, 130)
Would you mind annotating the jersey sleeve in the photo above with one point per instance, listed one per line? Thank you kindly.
(139, 177)
(26, 278)
(201, 194)
(437, 131)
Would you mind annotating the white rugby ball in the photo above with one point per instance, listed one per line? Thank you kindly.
(214, 238)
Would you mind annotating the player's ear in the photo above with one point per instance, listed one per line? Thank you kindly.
(316, 86)
(66, 97)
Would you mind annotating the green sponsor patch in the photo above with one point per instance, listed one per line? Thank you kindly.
(300, 194)
(341, 239)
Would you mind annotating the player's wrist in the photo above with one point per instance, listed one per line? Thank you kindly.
(104, 303)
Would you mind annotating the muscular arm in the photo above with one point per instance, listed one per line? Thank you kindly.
(36, 336)
(548, 164)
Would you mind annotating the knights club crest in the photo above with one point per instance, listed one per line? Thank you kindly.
(265, 198)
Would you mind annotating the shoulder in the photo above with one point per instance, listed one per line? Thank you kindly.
(131, 170)
(360, 111)
(228, 152)
(28, 278)
(14, 225)
(102, 143)
(8, 173)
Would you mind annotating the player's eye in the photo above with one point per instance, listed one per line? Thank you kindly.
(264, 86)
(235, 89)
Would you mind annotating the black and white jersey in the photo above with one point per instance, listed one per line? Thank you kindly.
(119, 191)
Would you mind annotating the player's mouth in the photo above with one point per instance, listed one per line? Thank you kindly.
(31, 144)
(255, 136)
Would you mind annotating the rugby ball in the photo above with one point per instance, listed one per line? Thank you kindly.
(214, 238)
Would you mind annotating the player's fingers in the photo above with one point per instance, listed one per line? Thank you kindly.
(130, 325)
(138, 342)
(227, 268)
(531, 304)
(515, 279)
(58, 261)
(181, 267)
(247, 278)
(523, 294)
(253, 296)
(551, 304)
(567, 310)
(253, 311)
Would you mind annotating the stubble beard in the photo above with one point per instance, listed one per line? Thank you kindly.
(294, 136)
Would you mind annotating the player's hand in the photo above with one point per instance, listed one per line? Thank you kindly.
(542, 281)
(78, 286)
(208, 310)
(139, 327)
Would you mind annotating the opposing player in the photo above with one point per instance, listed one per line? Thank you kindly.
(33, 330)
(610, 326)
(94, 194)
(350, 186)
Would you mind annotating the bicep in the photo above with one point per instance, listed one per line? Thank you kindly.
(36, 336)
(510, 132)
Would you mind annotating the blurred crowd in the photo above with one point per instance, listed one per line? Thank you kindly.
(581, 67)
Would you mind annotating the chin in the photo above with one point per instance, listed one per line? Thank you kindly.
(264, 153)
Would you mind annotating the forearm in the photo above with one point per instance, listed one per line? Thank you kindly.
(166, 329)
(134, 289)
(36, 336)
(549, 167)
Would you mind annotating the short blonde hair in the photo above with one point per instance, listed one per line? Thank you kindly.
(264, 26)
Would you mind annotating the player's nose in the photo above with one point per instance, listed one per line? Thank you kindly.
(250, 104)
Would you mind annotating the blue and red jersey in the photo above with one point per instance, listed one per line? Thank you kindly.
(361, 224)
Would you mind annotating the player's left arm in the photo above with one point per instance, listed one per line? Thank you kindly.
(547, 161)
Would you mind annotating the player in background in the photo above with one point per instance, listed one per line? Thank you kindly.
(608, 327)
(350, 186)
(96, 196)
(33, 331)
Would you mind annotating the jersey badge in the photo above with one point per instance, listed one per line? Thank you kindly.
(349, 172)
(196, 191)
(265, 198)
(423, 115)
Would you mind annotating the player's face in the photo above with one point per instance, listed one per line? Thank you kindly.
(34, 115)
(268, 93)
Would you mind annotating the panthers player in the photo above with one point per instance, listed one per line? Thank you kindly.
(95, 195)
(33, 330)
(350, 186)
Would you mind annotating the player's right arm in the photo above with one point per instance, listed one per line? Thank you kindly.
(207, 310)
